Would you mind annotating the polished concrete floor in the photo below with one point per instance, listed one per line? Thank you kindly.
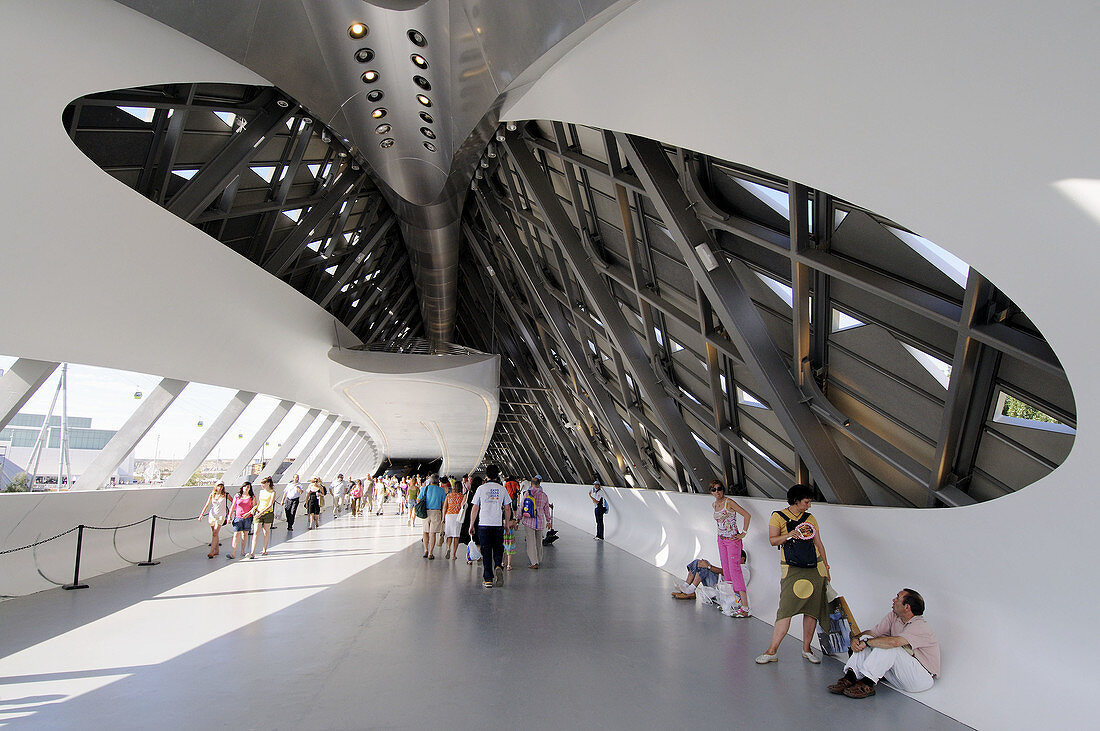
(348, 627)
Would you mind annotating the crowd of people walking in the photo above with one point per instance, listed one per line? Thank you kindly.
(489, 514)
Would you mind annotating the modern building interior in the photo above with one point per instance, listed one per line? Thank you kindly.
(640, 242)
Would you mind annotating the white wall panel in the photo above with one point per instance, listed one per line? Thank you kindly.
(30, 517)
(995, 627)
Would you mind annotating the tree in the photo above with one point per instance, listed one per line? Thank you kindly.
(194, 480)
(21, 483)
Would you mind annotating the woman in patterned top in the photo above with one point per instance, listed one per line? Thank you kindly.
(452, 520)
(726, 510)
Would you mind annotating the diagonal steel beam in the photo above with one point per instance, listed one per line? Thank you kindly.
(595, 456)
(297, 238)
(600, 400)
(601, 298)
(353, 262)
(743, 322)
(210, 181)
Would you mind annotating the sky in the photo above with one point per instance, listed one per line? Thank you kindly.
(107, 397)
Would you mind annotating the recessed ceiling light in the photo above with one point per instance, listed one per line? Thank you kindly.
(427, 117)
(382, 129)
(429, 147)
(422, 83)
(283, 103)
(424, 100)
(369, 77)
(358, 30)
(427, 133)
(364, 55)
(375, 95)
(419, 61)
(388, 142)
(418, 38)
(378, 113)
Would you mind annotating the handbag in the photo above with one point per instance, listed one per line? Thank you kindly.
(421, 509)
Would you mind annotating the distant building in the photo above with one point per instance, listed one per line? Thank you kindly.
(85, 443)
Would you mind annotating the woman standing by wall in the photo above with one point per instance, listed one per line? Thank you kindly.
(726, 511)
(803, 571)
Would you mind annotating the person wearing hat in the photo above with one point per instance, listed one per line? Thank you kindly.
(596, 496)
(218, 505)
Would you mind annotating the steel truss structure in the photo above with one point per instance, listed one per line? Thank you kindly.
(250, 167)
(665, 317)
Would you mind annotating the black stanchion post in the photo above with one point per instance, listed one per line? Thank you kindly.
(152, 534)
(76, 571)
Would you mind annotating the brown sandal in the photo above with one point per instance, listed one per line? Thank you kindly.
(860, 690)
(841, 685)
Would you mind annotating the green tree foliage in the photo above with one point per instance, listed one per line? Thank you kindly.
(193, 480)
(21, 483)
(1020, 410)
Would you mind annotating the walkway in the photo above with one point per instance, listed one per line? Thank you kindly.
(347, 627)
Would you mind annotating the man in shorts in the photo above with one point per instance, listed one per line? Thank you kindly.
(433, 496)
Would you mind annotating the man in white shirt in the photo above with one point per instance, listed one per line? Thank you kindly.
(339, 488)
(492, 506)
(291, 493)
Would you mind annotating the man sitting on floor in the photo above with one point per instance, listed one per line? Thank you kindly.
(700, 571)
(901, 648)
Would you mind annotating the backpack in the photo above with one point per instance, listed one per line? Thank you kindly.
(530, 509)
(799, 553)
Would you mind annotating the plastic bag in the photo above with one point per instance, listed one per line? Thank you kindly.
(728, 600)
(473, 553)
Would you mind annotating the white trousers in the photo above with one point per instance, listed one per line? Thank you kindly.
(894, 665)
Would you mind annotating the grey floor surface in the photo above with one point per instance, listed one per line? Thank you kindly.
(370, 635)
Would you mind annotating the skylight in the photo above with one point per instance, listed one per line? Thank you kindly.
(185, 174)
(843, 322)
(761, 452)
(777, 200)
(313, 169)
(265, 172)
(701, 443)
(940, 371)
(688, 394)
(294, 214)
(747, 399)
(228, 117)
(673, 345)
(145, 114)
(315, 245)
(951, 265)
(784, 292)
(331, 270)
(1013, 411)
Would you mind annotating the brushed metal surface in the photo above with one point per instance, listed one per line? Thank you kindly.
(476, 51)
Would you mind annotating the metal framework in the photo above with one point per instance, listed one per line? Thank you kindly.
(665, 317)
(253, 169)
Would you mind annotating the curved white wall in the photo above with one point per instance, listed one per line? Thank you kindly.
(959, 121)
(995, 632)
(26, 518)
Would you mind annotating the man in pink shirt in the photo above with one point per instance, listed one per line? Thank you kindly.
(902, 649)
